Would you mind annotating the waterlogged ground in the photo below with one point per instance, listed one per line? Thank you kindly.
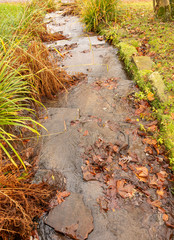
(115, 178)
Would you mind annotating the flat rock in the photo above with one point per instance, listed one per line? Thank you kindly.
(158, 85)
(71, 218)
(143, 62)
(60, 118)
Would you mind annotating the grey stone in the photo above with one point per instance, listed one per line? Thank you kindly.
(143, 62)
(60, 118)
(71, 218)
(158, 85)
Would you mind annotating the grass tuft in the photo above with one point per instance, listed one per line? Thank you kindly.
(95, 12)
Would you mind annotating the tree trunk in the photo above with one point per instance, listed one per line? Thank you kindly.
(172, 7)
(162, 8)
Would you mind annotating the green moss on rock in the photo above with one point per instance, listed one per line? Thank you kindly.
(158, 86)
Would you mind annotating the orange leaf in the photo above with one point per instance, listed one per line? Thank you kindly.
(116, 148)
(172, 115)
(150, 96)
(165, 217)
(160, 192)
(142, 171)
(149, 141)
(86, 133)
(61, 195)
(125, 191)
(152, 128)
(153, 180)
(155, 203)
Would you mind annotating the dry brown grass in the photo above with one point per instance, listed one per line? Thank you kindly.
(21, 202)
(48, 37)
(45, 77)
(70, 9)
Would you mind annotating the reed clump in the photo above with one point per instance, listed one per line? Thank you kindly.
(44, 76)
(95, 12)
(21, 202)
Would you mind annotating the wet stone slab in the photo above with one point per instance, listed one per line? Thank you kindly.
(71, 218)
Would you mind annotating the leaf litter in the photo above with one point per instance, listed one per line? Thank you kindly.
(125, 177)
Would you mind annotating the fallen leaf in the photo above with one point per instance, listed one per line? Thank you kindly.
(150, 96)
(172, 115)
(103, 203)
(152, 128)
(153, 180)
(149, 141)
(155, 203)
(162, 175)
(61, 195)
(165, 217)
(116, 148)
(86, 133)
(125, 191)
(124, 166)
(148, 150)
(160, 192)
(109, 159)
(142, 171)
(87, 175)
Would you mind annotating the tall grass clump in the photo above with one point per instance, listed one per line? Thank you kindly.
(95, 12)
(15, 110)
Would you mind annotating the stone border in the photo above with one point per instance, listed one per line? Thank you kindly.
(139, 71)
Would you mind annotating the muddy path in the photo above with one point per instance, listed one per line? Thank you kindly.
(86, 122)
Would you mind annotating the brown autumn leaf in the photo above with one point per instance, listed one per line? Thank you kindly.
(155, 203)
(87, 175)
(162, 175)
(142, 171)
(153, 181)
(160, 192)
(172, 115)
(103, 203)
(165, 217)
(148, 150)
(149, 141)
(150, 96)
(61, 195)
(116, 148)
(125, 190)
(123, 165)
(157, 149)
(152, 128)
(86, 133)
(109, 159)
(170, 225)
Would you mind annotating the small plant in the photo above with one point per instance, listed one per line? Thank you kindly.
(95, 12)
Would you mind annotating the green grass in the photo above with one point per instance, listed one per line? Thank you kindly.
(10, 17)
(140, 17)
